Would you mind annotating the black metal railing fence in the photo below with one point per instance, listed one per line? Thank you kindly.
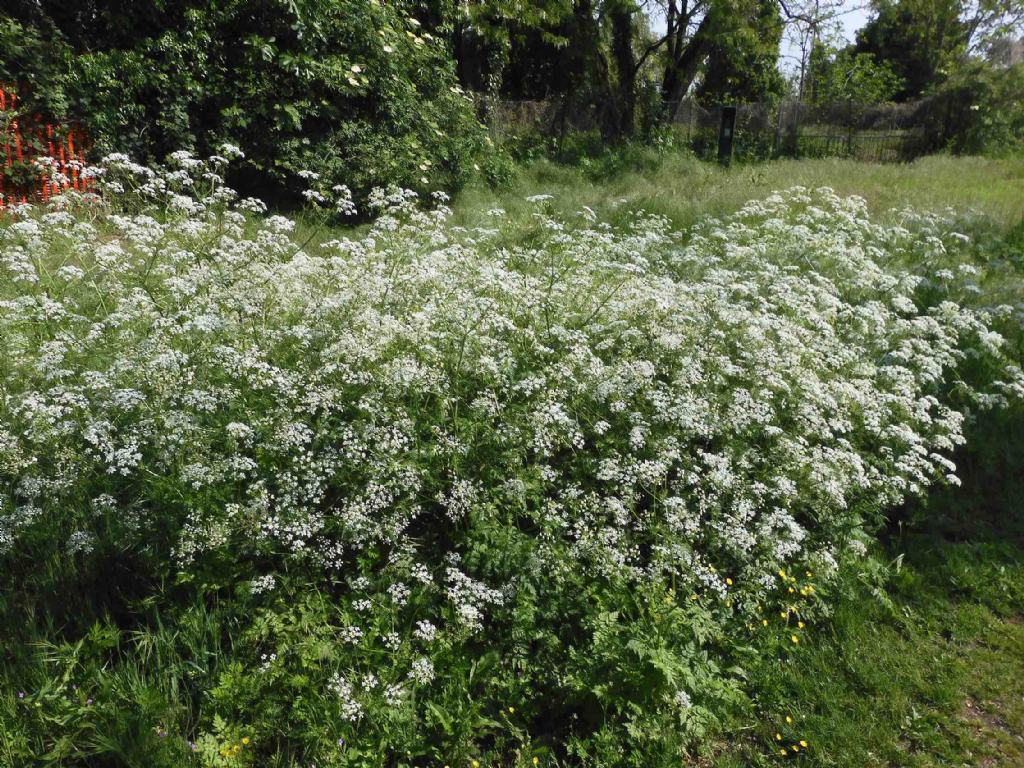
(787, 128)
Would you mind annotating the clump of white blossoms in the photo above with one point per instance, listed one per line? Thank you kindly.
(640, 405)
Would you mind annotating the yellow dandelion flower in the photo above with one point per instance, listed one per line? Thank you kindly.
(803, 743)
(511, 710)
(795, 639)
(782, 573)
(536, 760)
(476, 764)
(789, 718)
(800, 624)
(778, 737)
(729, 582)
(783, 752)
(795, 748)
(246, 740)
(791, 590)
(765, 622)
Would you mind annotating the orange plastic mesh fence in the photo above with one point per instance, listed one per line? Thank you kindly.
(26, 139)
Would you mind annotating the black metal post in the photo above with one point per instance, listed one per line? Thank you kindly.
(725, 135)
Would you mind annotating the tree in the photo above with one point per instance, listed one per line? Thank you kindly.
(744, 65)
(924, 40)
(485, 33)
(695, 29)
(844, 75)
(918, 38)
(809, 25)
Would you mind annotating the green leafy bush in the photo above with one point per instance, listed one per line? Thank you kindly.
(434, 495)
(978, 110)
(357, 91)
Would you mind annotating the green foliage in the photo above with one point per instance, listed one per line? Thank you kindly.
(359, 92)
(847, 76)
(499, 169)
(33, 63)
(979, 110)
(743, 63)
(919, 39)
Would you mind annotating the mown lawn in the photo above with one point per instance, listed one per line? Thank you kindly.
(922, 663)
(931, 673)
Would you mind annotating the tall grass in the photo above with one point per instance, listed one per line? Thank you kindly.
(686, 190)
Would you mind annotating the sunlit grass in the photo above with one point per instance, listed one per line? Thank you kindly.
(685, 189)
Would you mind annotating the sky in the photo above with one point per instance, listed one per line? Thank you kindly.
(855, 15)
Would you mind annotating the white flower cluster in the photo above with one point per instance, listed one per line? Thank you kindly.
(351, 708)
(422, 670)
(263, 584)
(643, 404)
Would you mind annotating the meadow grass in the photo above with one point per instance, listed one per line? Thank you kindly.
(931, 674)
(686, 190)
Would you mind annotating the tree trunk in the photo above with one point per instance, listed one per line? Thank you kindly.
(622, 52)
(683, 65)
(589, 86)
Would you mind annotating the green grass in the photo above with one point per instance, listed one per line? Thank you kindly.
(931, 673)
(922, 663)
(686, 190)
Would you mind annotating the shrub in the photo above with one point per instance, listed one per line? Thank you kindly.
(357, 91)
(978, 110)
(441, 495)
